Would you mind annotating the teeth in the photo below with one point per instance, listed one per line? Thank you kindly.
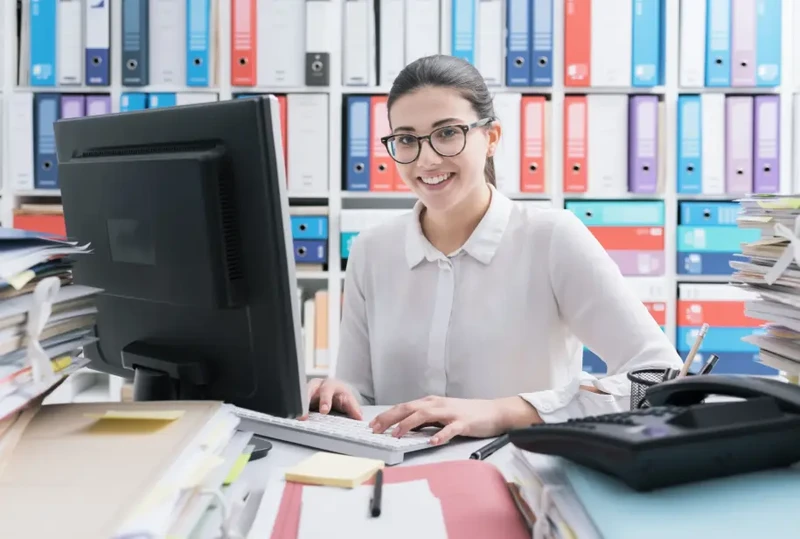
(433, 180)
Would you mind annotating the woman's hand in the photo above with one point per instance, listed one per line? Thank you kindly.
(326, 394)
(458, 417)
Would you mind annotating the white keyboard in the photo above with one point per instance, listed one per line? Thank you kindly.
(336, 434)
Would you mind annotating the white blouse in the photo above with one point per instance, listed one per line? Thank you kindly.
(507, 314)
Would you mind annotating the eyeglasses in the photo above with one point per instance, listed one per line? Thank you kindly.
(447, 141)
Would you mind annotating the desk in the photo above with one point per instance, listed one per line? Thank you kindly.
(265, 474)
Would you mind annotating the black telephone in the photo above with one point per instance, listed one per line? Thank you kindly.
(681, 438)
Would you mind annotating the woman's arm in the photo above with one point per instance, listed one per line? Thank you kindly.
(353, 365)
(603, 312)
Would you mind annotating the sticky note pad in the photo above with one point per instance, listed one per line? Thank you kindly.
(145, 415)
(334, 470)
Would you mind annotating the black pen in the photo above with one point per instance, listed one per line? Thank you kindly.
(489, 449)
(375, 503)
(709, 364)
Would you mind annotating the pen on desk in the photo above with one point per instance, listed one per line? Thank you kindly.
(693, 352)
(375, 502)
(489, 449)
(709, 365)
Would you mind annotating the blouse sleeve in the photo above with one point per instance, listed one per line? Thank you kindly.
(353, 364)
(603, 312)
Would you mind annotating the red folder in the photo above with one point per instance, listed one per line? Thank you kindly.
(476, 501)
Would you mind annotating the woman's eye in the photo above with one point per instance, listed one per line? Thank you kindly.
(447, 132)
(406, 140)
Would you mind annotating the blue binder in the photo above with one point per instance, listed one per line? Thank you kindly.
(541, 59)
(463, 40)
(46, 110)
(198, 38)
(135, 43)
(518, 43)
(646, 44)
(358, 143)
(96, 61)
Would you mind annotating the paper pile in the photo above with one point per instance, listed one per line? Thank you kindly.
(45, 319)
(769, 268)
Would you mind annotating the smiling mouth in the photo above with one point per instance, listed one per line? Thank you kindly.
(435, 180)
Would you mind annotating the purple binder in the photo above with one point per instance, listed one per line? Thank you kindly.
(743, 43)
(98, 104)
(738, 144)
(643, 144)
(766, 144)
(73, 106)
(633, 263)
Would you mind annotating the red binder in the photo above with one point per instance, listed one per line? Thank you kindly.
(476, 501)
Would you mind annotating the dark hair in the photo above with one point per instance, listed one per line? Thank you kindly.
(447, 72)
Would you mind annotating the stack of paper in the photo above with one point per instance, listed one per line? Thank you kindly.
(45, 319)
(769, 268)
(407, 510)
(144, 469)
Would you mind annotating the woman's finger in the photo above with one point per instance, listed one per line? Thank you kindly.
(456, 428)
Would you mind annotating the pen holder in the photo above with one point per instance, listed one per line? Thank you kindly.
(642, 379)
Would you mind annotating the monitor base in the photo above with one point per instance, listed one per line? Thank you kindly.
(162, 374)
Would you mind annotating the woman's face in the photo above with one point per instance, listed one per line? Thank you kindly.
(441, 182)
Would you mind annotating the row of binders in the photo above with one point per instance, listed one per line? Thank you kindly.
(67, 42)
(31, 118)
(314, 320)
(729, 144)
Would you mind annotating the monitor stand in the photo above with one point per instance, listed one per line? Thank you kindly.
(162, 373)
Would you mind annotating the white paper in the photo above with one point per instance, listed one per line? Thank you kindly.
(407, 509)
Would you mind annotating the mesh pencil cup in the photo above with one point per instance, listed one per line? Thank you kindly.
(640, 380)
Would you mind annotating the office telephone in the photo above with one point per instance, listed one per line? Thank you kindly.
(681, 438)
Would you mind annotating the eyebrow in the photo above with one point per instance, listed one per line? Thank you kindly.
(435, 124)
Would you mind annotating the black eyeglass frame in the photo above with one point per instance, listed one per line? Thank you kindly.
(465, 128)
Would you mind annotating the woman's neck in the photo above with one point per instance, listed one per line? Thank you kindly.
(450, 230)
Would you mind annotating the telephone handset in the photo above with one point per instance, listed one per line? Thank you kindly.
(679, 438)
(691, 390)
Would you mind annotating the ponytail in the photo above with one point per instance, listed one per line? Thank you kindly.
(488, 171)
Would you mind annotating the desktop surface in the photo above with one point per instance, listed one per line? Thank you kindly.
(265, 474)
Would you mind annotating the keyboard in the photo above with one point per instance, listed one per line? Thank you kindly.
(336, 434)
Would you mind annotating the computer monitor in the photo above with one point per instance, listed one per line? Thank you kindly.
(187, 214)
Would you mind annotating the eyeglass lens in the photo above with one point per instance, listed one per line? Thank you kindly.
(446, 141)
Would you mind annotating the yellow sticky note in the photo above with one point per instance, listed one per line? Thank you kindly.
(145, 415)
(237, 469)
(331, 469)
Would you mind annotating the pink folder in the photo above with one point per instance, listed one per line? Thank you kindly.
(476, 500)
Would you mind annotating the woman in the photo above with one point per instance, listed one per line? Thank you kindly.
(470, 312)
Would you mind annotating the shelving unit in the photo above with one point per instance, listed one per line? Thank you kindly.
(337, 199)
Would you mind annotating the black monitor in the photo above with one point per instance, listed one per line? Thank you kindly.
(187, 214)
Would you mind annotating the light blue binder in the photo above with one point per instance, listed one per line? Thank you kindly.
(129, 101)
(463, 36)
(768, 42)
(541, 60)
(198, 37)
(718, 43)
(690, 145)
(646, 43)
(161, 100)
(43, 42)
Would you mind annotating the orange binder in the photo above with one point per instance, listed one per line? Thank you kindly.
(381, 174)
(284, 131)
(578, 43)
(476, 500)
(532, 175)
(629, 238)
(243, 42)
(37, 221)
(658, 310)
(720, 313)
(575, 144)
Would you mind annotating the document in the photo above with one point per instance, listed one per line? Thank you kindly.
(407, 509)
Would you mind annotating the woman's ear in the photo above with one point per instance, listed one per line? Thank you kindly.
(494, 130)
